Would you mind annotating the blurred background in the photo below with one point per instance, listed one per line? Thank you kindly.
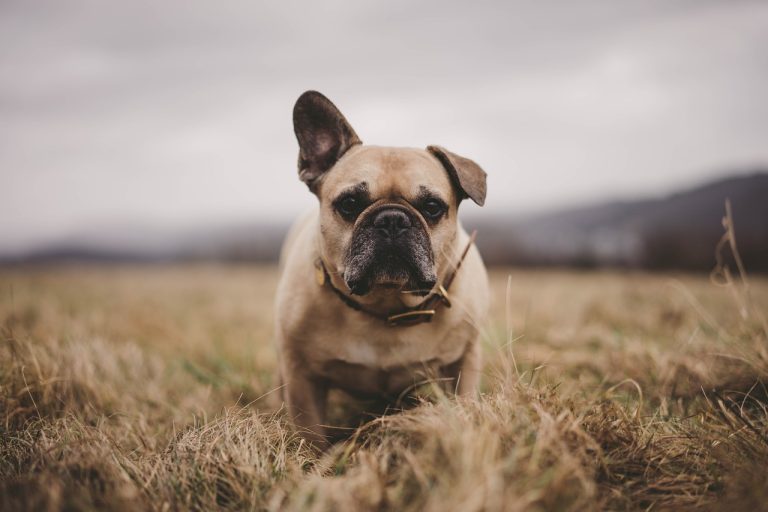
(612, 132)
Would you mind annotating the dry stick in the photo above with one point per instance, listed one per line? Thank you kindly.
(746, 307)
(508, 314)
(732, 242)
(721, 274)
(721, 270)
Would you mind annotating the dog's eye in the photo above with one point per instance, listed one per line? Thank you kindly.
(349, 207)
(433, 209)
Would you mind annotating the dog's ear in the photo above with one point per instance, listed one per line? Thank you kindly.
(468, 177)
(323, 134)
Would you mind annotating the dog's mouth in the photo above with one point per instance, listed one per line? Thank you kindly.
(390, 249)
(388, 267)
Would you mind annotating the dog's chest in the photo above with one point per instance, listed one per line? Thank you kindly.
(363, 379)
(363, 352)
(389, 360)
(388, 347)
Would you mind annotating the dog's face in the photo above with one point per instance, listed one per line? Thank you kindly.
(387, 215)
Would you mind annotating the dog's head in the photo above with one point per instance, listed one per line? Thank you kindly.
(387, 215)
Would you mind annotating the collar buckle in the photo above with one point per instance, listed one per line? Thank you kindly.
(319, 272)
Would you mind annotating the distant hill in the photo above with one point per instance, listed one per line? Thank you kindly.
(676, 231)
(245, 241)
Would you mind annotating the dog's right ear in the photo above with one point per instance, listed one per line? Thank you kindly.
(323, 134)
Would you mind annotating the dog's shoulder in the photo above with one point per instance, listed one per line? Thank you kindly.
(302, 311)
(300, 233)
(471, 287)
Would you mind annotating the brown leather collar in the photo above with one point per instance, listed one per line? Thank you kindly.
(408, 316)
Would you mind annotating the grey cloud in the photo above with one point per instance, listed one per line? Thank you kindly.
(179, 112)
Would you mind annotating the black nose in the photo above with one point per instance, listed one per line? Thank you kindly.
(392, 222)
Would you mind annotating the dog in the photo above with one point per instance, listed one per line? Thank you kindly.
(380, 287)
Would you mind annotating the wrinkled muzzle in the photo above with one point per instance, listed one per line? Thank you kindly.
(390, 246)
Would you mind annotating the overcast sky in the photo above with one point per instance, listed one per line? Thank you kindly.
(179, 112)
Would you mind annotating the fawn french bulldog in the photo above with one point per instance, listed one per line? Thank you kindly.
(380, 287)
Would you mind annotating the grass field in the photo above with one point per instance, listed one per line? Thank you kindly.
(151, 387)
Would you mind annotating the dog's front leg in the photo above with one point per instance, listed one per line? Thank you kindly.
(305, 399)
(465, 373)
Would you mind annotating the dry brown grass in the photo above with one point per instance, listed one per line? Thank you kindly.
(150, 388)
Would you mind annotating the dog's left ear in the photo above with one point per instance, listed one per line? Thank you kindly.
(323, 133)
(468, 177)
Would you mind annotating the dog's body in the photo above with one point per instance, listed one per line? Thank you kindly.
(386, 227)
